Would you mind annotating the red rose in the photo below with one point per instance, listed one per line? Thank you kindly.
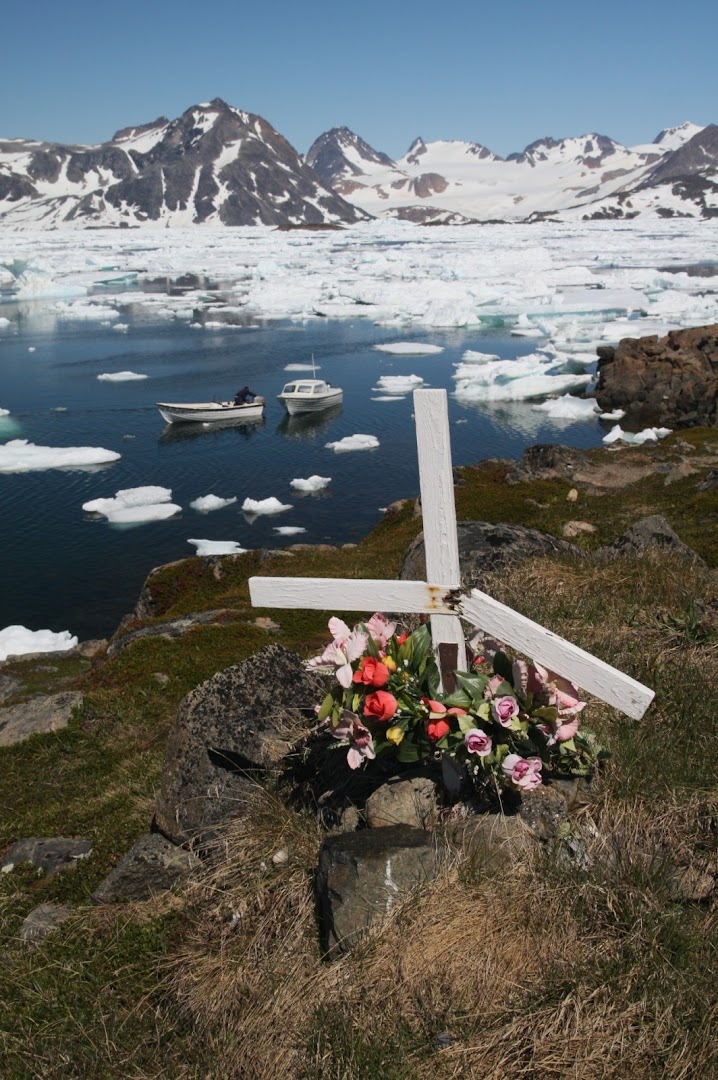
(372, 672)
(380, 705)
(436, 729)
(401, 639)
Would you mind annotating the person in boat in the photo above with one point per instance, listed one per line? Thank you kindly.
(244, 396)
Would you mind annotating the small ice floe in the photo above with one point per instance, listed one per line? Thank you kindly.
(120, 376)
(131, 506)
(521, 379)
(59, 408)
(302, 367)
(471, 356)
(205, 503)
(265, 506)
(217, 547)
(568, 408)
(312, 483)
(121, 327)
(86, 310)
(653, 434)
(19, 455)
(398, 384)
(4, 323)
(409, 348)
(461, 421)
(615, 414)
(353, 442)
(18, 640)
(31, 348)
(388, 397)
(289, 530)
(4, 412)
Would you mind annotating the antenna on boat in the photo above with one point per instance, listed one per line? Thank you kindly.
(314, 369)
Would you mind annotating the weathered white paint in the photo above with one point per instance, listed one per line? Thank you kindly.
(554, 652)
(347, 594)
(438, 510)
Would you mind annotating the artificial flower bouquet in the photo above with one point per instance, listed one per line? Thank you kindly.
(510, 723)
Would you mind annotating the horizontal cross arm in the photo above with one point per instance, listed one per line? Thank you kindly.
(557, 654)
(350, 594)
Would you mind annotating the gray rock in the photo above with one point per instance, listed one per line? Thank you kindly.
(8, 688)
(485, 548)
(572, 529)
(153, 865)
(363, 874)
(543, 810)
(43, 920)
(236, 726)
(403, 802)
(547, 461)
(649, 533)
(47, 854)
(488, 837)
(39, 715)
(710, 482)
(175, 628)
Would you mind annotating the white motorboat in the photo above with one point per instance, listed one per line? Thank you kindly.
(211, 412)
(309, 396)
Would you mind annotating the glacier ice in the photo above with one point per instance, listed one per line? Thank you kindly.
(18, 640)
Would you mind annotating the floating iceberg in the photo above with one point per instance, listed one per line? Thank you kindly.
(4, 412)
(399, 384)
(265, 506)
(130, 506)
(353, 442)
(312, 483)
(471, 356)
(218, 547)
(18, 640)
(615, 414)
(289, 530)
(302, 367)
(409, 348)
(205, 503)
(19, 455)
(653, 434)
(120, 376)
(527, 377)
(568, 408)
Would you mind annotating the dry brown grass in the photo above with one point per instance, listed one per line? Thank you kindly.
(584, 967)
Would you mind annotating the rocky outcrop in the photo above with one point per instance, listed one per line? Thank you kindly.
(37, 716)
(670, 381)
(47, 854)
(485, 548)
(230, 731)
(650, 533)
(151, 866)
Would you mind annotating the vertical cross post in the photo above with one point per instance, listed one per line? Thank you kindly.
(438, 511)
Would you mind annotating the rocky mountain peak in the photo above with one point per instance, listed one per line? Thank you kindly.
(415, 151)
(340, 154)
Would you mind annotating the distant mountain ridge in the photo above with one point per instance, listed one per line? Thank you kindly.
(591, 177)
(216, 164)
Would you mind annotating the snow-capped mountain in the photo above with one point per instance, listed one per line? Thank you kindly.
(214, 163)
(578, 177)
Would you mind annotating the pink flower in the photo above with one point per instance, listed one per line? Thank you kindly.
(524, 773)
(381, 706)
(477, 741)
(494, 683)
(504, 709)
(362, 746)
(348, 645)
(564, 732)
(380, 629)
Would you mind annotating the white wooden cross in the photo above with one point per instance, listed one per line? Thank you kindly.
(439, 596)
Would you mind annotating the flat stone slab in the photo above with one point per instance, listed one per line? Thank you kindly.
(38, 716)
(43, 920)
(153, 865)
(363, 874)
(49, 854)
(403, 802)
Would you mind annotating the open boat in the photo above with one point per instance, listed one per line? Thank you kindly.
(210, 412)
(309, 395)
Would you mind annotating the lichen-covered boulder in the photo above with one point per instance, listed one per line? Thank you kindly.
(230, 731)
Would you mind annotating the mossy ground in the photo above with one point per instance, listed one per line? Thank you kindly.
(107, 995)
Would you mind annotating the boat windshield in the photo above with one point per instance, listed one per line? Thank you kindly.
(320, 388)
(289, 388)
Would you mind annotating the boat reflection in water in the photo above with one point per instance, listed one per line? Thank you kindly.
(173, 433)
(308, 425)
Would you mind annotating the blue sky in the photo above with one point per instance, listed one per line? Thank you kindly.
(502, 74)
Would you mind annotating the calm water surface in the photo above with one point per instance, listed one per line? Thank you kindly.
(64, 569)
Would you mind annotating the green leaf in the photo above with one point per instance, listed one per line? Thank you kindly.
(432, 679)
(466, 723)
(549, 713)
(484, 710)
(421, 644)
(372, 649)
(326, 707)
(459, 699)
(408, 751)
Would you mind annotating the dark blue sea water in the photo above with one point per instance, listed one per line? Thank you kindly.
(65, 569)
